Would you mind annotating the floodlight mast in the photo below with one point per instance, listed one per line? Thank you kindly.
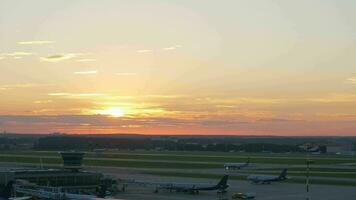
(308, 162)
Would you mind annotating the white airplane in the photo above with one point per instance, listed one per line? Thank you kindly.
(21, 198)
(234, 166)
(268, 178)
(70, 196)
(195, 188)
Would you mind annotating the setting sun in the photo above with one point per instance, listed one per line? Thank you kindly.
(113, 112)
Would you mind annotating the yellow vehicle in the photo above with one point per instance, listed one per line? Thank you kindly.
(241, 195)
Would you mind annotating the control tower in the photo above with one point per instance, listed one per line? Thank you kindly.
(72, 160)
(70, 178)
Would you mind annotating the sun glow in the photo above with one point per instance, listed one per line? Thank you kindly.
(113, 112)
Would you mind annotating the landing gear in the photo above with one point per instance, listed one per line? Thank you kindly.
(193, 192)
(123, 189)
(221, 192)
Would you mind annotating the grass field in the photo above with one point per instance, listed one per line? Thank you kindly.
(215, 157)
(108, 163)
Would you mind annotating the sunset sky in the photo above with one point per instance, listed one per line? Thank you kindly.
(259, 67)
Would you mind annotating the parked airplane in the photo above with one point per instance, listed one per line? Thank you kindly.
(268, 178)
(63, 196)
(233, 166)
(70, 196)
(21, 198)
(194, 188)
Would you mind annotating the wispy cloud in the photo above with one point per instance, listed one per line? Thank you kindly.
(15, 55)
(234, 101)
(225, 106)
(86, 60)
(19, 53)
(42, 101)
(86, 72)
(144, 51)
(164, 96)
(36, 42)
(335, 98)
(169, 48)
(174, 47)
(126, 74)
(64, 94)
(352, 79)
(14, 86)
(59, 57)
(59, 94)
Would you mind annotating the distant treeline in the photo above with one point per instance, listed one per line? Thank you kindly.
(11, 143)
(95, 143)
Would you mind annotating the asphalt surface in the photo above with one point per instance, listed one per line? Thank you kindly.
(274, 191)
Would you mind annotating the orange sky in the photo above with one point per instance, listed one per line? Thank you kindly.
(178, 67)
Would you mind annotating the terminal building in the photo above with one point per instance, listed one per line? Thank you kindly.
(70, 178)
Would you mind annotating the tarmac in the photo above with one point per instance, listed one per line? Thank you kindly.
(274, 191)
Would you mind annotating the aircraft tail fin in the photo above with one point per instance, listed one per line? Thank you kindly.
(283, 174)
(223, 181)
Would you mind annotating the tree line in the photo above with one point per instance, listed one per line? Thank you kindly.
(95, 143)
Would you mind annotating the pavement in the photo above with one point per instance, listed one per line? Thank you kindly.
(274, 191)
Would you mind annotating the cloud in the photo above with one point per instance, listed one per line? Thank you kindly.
(59, 94)
(86, 72)
(234, 101)
(14, 86)
(42, 101)
(335, 98)
(126, 74)
(19, 53)
(225, 106)
(174, 47)
(280, 120)
(86, 60)
(164, 96)
(64, 94)
(169, 48)
(144, 51)
(59, 57)
(352, 80)
(87, 123)
(36, 42)
(102, 121)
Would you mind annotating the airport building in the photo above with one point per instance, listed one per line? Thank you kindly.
(71, 178)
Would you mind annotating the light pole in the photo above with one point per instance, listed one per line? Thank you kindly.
(308, 162)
